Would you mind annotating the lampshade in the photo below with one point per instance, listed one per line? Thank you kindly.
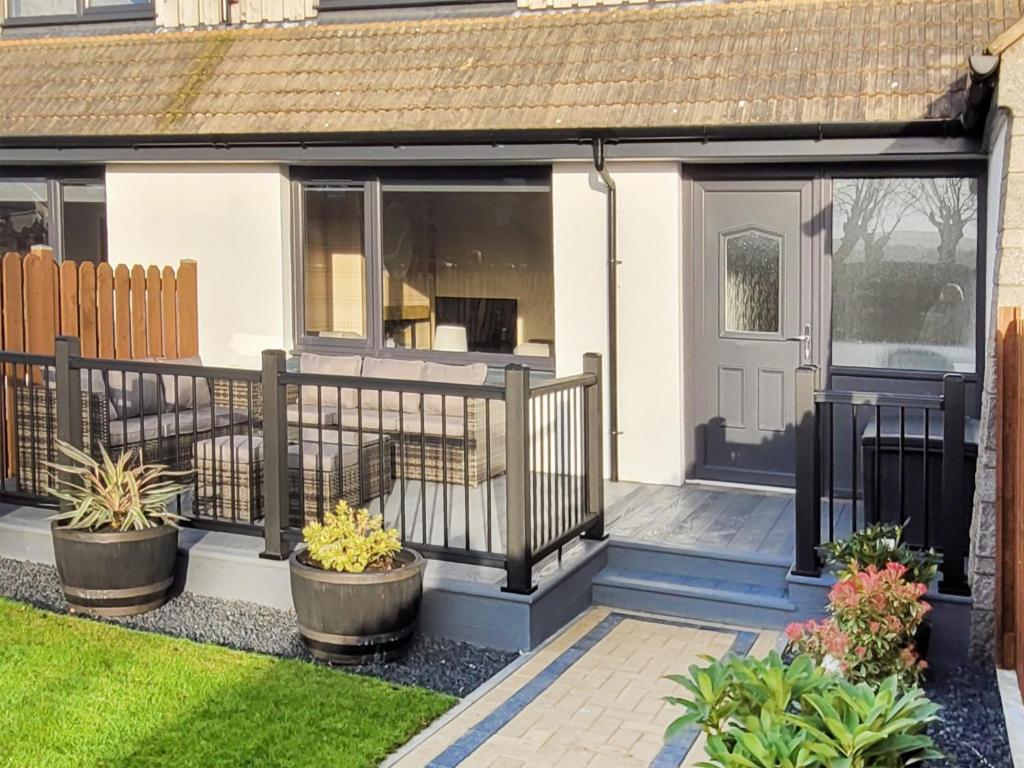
(450, 338)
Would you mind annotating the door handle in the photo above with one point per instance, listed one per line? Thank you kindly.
(805, 341)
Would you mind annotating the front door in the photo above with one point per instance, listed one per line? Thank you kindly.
(752, 325)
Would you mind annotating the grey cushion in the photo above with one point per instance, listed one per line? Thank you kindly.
(410, 370)
(475, 373)
(221, 448)
(181, 396)
(334, 365)
(133, 394)
(328, 415)
(167, 425)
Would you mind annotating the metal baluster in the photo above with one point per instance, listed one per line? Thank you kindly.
(487, 454)
(444, 471)
(853, 484)
(380, 452)
(465, 464)
(903, 423)
(924, 460)
(319, 463)
(233, 478)
(254, 511)
(831, 472)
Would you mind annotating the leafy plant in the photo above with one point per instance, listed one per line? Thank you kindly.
(877, 545)
(351, 541)
(874, 614)
(123, 495)
(767, 714)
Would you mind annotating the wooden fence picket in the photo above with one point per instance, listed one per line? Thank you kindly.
(87, 326)
(117, 312)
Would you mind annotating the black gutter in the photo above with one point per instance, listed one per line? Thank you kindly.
(952, 127)
(613, 304)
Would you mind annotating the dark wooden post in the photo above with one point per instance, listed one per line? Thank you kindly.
(275, 457)
(69, 390)
(519, 533)
(808, 474)
(594, 434)
(952, 527)
(69, 402)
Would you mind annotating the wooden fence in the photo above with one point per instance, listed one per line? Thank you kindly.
(1010, 490)
(121, 312)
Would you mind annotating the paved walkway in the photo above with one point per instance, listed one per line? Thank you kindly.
(592, 696)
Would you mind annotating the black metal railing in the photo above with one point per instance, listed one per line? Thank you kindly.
(864, 458)
(496, 475)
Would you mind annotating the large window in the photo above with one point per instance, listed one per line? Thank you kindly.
(438, 266)
(904, 273)
(68, 216)
(61, 11)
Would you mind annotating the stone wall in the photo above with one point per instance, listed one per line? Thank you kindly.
(1006, 281)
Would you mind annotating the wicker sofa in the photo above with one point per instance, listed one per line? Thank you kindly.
(434, 438)
(148, 415)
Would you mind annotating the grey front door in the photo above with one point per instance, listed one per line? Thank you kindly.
(752, 325)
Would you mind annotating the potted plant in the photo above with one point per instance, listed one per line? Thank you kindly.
(116, 542)
(356, 590)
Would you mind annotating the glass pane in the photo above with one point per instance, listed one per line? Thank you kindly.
(468, 270)
(904, 273)
(27, 8)
(753, 266)
(85, 223)
(24, 215)
(334, 266)
(116, 3)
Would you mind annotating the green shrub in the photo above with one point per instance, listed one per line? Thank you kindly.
(122, 495)
(874, 615)
(352, 541)
(764, 713)
(877, 545)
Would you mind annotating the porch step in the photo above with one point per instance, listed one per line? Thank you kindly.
(743, 568)
(732, 602)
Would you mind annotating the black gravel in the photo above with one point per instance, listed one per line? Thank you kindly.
(972, 733)
(442, 665)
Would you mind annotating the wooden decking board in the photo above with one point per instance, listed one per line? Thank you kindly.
(762, 518)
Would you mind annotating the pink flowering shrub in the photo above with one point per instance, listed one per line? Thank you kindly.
(869, 635)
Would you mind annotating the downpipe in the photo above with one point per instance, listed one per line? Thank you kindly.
(613, 340)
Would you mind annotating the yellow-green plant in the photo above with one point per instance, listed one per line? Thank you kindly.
(123, 495)
(352, 541)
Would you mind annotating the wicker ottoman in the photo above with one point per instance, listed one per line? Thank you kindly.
(348, 472)
(229, 489)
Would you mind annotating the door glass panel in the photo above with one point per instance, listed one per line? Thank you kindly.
(904, 273)
(85, 223)
(334, 263)
(753, 268)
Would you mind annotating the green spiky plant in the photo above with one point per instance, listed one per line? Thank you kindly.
(121, 495)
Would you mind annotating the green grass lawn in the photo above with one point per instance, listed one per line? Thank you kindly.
(75, 692)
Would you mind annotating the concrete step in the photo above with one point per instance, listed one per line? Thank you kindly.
(711, 599)
(739, 568)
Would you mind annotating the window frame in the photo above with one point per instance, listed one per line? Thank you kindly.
(56, 179)
(83, 15)
(374, 182)
(953, 168)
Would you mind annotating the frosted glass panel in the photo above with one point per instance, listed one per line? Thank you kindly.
(904, 273)
(753, 263)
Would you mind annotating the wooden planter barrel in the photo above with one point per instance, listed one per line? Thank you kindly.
(355, 618)
(115, 573)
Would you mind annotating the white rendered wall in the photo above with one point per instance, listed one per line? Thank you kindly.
(649, 303)
(233, 220)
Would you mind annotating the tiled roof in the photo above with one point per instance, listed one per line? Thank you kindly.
(692, 64)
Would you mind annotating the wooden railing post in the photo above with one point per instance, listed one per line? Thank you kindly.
(69, 391)
(594, 436)
(808, 475)
(519, 533)
(275, 457)
(952, 527)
